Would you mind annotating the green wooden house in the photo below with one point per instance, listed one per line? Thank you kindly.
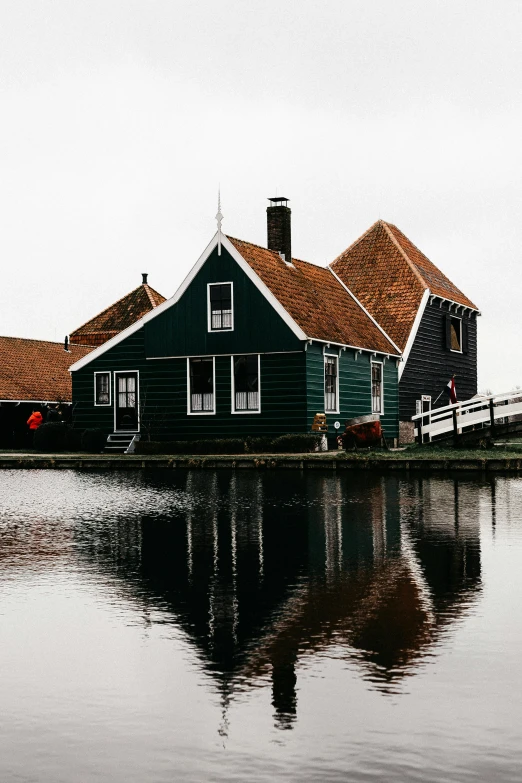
(253, 342)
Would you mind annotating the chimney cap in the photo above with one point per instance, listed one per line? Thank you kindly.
(144, 276)
(276, 200)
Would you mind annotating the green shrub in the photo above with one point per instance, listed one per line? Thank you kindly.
(216, 446)
(93, 440)
(289, 444)
(51, 437)
(258, 445)
(294, 444)
(74, 439)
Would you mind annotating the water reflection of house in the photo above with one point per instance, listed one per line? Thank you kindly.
(265, 573)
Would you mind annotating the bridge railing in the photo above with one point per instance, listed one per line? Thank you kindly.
(479, 411)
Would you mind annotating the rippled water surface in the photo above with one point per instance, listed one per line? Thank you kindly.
(259, 626)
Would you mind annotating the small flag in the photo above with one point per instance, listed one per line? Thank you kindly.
(451, 392)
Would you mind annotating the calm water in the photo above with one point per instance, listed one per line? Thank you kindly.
(254, 627)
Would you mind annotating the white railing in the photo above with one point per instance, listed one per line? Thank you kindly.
(471, 413)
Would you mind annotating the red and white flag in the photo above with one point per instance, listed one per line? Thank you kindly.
(451, 391)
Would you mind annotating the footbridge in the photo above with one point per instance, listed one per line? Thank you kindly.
(482, 418)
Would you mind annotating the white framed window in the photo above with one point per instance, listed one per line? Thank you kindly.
(331, 384)
(220, 303)
(246, 383)
(377, 387)
(201, 384)
(102, 388)
(455, 334)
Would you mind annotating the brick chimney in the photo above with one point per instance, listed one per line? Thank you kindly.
(279, 227)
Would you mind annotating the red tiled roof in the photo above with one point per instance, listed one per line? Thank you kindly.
(315, 299)
(389, 275)
(36, 370)
(117, 317)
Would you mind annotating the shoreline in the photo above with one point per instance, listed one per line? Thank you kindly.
(331, 461)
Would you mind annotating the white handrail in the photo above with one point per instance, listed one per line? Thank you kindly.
(470, 403)
(459, 415)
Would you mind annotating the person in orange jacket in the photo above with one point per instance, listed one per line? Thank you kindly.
(33, 422)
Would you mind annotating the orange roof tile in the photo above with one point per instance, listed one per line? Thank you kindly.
(36, 370)
(117, 317)
(315, 299)
(389, 275)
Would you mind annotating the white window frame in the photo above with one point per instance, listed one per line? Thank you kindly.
(233, 386)
(326, 357)
(126, 372)
(103, 404)
(456, 318)
(209, 314)
(372, 362)
(201, 413)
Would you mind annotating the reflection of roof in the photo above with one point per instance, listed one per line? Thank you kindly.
(117, 317)
(365, 603)
(389, 275)
(315, 299)
(36, 370)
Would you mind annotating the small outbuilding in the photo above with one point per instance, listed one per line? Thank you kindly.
(33, 375)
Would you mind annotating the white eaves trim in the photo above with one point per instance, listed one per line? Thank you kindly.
(453, 302)
(363, 308)
(238, 258)
(414, 329)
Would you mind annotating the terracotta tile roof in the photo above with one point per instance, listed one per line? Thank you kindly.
(389, 275)
(117, 317)
(36, 370)
(315, 299)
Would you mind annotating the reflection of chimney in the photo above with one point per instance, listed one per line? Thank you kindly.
(278, 224)
(284, 699)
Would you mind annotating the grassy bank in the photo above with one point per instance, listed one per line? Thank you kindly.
(414, 458)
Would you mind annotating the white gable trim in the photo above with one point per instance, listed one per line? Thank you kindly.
(238, 258)
(363, 308)
(414, 330)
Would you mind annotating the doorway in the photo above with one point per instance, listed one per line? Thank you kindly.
(126, 401)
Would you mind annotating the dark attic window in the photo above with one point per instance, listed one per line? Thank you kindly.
(220, 316)
(455, 334)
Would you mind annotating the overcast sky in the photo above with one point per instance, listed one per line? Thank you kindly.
(120, 118)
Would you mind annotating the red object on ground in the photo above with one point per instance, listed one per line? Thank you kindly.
(34, 420)
(362, 432)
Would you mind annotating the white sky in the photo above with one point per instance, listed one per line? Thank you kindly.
(119, 118)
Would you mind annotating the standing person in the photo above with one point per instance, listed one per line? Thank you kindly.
(33, 422)
(53, 414)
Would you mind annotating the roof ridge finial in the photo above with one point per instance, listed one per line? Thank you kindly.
(219, 218)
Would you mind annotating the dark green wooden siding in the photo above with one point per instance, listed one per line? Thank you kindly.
(163, 395)
(182, 330)
(354, 388)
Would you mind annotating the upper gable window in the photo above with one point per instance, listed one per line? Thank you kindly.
(220, 307)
